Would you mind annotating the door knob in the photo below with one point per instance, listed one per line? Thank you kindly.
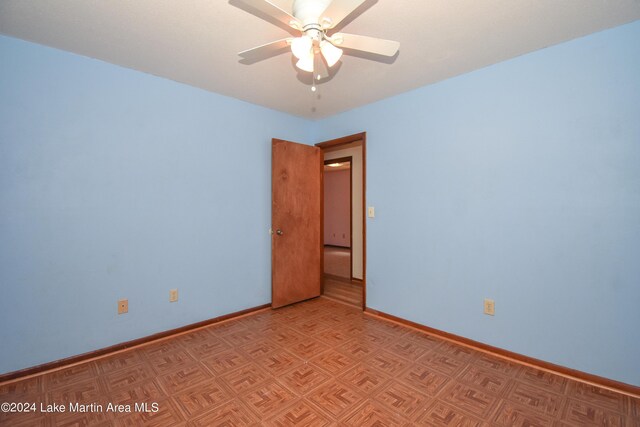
(279, 232)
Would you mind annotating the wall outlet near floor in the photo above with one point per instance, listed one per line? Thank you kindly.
(173, 295)
(489, 307)
(123, 306)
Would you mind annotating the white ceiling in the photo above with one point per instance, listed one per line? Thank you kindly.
(196, 42)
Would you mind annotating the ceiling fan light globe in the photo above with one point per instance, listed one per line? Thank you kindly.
(306, 63)
(331, 53)
(337, 39)
(301, 46)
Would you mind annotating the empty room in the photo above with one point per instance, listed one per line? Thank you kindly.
(320, 213)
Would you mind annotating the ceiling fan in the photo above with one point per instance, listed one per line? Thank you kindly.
(316, 48)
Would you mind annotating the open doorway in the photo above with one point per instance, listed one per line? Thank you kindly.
(337, 232)
(343, 277)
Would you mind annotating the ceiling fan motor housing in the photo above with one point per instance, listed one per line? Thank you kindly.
(309, 11)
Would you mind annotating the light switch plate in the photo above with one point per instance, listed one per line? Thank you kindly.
(371, 212)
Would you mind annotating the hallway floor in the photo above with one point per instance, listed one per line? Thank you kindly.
(337, 277)
(337, 261)
(343, 290)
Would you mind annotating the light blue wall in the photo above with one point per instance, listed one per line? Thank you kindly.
(117, 184)
(518, 182)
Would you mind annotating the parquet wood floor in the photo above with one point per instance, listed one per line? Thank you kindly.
(317, 363)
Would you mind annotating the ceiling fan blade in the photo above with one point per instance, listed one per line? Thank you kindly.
(320, 70)
(366, 44)
(338, 10)
(266, 50)
(273, 11)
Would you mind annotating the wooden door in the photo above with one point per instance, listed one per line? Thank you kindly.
(296, 242)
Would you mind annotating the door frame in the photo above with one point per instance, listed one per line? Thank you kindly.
(345, 140)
